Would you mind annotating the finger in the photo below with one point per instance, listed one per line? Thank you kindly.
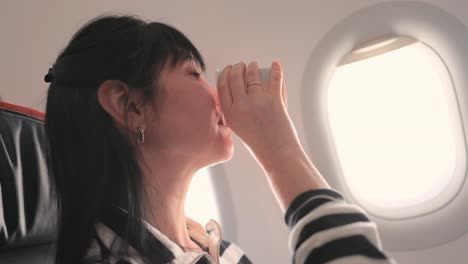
(252, 75)
(224, 93)
(276, 78)
(236, 81)
(285, 94)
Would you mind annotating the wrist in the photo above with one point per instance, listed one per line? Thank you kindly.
(290, 172)
(269, 159)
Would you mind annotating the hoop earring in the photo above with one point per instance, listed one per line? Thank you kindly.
(141, 135)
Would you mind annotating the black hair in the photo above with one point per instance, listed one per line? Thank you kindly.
(93, 165)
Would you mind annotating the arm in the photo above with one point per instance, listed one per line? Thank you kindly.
(324, 228)
(322, 224)
(301, 173)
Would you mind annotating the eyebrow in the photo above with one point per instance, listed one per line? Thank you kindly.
(193, 62)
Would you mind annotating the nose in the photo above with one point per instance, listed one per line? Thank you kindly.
(214, 93)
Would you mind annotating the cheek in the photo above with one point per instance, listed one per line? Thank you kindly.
(188, 120)
(199, 117)
(197, 109)
(187, 114)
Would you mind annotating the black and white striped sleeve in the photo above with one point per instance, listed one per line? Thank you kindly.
(326, 229)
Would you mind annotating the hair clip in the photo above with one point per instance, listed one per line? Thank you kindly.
(49, 77)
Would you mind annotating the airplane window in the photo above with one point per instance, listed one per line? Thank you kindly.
(392, 122)
(200, 202)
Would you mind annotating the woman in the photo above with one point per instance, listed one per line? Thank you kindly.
(130, 119)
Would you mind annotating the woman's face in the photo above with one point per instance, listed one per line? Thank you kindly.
(187, 122)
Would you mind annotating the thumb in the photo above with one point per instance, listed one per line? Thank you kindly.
(285, 94)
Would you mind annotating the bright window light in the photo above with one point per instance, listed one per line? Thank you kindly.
(392, 121)
(201, 203)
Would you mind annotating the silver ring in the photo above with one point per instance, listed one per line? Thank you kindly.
(252, 83)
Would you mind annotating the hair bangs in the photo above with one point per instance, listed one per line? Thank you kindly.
(175, 47)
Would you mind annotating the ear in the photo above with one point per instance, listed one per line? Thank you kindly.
(117, 101)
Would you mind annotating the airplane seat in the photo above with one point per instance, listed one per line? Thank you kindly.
(27, 203)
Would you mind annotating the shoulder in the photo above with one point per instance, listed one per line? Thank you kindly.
(107, 247)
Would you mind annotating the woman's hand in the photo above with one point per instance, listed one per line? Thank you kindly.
(257, 113)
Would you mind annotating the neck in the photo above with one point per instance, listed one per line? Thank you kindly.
(165, 189)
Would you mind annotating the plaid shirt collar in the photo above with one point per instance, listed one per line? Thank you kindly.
(112, 226)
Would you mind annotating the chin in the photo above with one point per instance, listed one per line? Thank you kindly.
(226, 156)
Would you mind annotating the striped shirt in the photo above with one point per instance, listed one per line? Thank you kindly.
(323, 229)
(326, 229)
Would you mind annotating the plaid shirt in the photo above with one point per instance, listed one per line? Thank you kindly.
(108, 240)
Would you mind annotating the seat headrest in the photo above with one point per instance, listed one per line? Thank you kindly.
(27, 200)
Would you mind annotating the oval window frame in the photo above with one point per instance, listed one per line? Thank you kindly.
(453, 185)
(445, 34)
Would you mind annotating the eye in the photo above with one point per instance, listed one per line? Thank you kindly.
(196, 74)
